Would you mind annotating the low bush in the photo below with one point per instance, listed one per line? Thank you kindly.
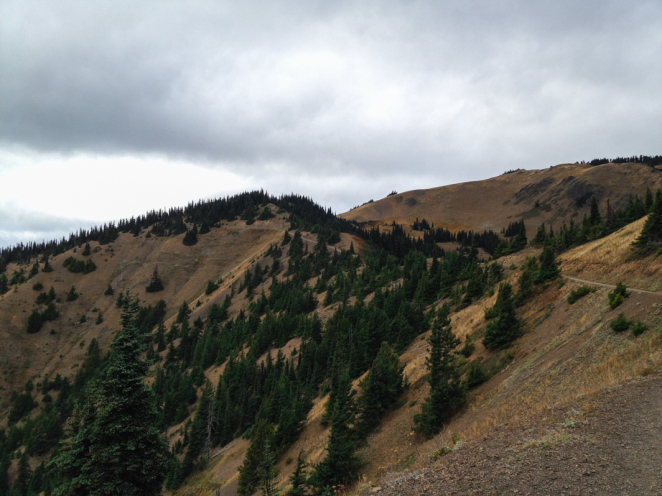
(638, 328)
(620, 323)
(618, 295)
(580, 292)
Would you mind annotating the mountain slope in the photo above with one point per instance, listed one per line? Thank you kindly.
(562, 192)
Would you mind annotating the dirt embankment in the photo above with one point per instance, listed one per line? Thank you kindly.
(608, 444)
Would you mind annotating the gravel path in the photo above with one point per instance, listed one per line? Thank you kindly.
(611, 286)
(614, 448)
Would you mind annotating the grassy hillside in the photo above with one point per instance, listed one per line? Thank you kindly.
(296, 313)
(554, 195)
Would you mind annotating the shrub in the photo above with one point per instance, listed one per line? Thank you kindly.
(580, 292)
(638, 328)
(476, 375)
(620, 323)
(34, 322)
(38, 286)
(72, 295)
(468, 348)
(211, 287)
(618, 295)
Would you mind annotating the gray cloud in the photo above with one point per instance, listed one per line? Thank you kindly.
(414, 91)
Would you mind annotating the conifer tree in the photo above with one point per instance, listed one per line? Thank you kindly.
(115, 447)
(249, 472)
(447, 394)
(191, 236)
(72, 295)
(503, 325)
(109, 291)
(298, 479)
(549, 266)
(382, 387)
(47, 266)
(155, 284)
(23, 474)
(269, 471)
(652, 230)
(4, 285)
(86, 251)
(341, 464)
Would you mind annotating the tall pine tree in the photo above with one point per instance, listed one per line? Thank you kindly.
(447, 394)
(115, 447)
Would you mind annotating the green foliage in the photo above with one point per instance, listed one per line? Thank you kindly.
(155, 284)
(447, 394)
(72, 295)
(266, 214)
(580, 292)
(34, 322)
(382, 387)
(47, 266)
(80, 266)
(620, 323)
(638, 328)
(268, 472)
(249, 472)
(468, 348)
(211, 287)
(341, 464)
(476, 375)
(22, 405)
(652, 230)
(298, 479)
(99, 319)
(549, 266)
(618, 295)
(4, 284)
(34, 270)
(38, 286)
(527, 279)
(109, 291)
(191, 236)
(114, 447)
(86, 251)
(503, 325)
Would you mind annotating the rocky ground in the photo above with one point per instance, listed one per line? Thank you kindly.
(607, 445)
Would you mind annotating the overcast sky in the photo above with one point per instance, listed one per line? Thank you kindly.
(112, 108)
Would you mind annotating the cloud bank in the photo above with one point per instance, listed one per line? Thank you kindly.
(343, 101)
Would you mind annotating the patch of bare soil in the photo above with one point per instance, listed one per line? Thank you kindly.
(610, 444)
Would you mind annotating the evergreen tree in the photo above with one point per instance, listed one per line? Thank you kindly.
(47, 266)
(269, 472)
(249, 472)
(298, 479)
(503, 325)
(382, 387)
(155, 283)
(4, 285)
(109, 291)
(191, 236)
(23, 475)
(35, 322)
(447, 394)
(341, 464)
(652, 231)
(86, 251)
(72, 295)
(115, 447)
(549, 266)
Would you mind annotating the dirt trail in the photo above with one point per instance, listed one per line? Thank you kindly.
(611, 286)
(613, 446)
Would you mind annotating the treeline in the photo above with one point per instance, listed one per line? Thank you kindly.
(596, 224)
(304, 214)
(640, 159)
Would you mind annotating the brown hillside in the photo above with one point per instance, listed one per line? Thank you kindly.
(127, 263)
(494, 203)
